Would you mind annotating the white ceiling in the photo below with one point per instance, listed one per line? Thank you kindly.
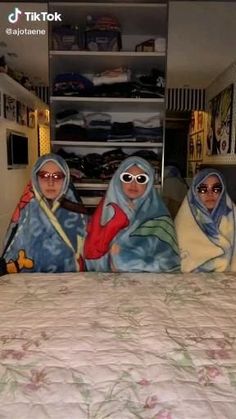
(201, 42)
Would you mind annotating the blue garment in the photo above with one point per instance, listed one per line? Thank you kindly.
(174, 189)
(131, 236)
(43, 237)
(206, 239)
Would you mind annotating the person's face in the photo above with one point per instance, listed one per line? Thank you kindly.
(50, 179)
(209, 191)
(134, 188)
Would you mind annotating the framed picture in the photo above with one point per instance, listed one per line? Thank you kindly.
(199, 146)
(9, 108)
(200, 120)
(192, 123)
(43, 117)
(220, 123)
(22, 115)
(191, 148)
(31, 118)
(195, 148)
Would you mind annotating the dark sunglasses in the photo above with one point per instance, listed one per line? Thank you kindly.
(142, 178)
(215, 189)
(56, 176)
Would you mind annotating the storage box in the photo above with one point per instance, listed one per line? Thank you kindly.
(67, 38)
(151, 45)
(96, 40)
(160, 44)
(146, 46)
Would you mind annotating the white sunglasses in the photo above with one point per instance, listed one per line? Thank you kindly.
(141, 179)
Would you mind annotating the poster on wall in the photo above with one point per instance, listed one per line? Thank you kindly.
(22, 116)
(196, 122)
(31, 118)
(196, 146)
(220, 123)
(9, 108)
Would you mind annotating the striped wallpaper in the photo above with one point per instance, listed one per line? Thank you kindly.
(176, 99)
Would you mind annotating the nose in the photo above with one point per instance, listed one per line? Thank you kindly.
(210, 192)
(51, 180)
(134, 183)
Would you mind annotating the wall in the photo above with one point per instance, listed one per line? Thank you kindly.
(12, 182)
(220, 83)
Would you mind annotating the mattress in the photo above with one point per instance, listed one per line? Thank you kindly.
(118, 346)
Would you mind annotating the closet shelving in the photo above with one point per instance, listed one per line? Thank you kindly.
(139, 21)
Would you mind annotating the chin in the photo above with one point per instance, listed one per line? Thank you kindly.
(133, 196)
(50, 196)
(210, 206)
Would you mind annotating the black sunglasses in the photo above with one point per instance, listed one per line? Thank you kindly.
(215, 189)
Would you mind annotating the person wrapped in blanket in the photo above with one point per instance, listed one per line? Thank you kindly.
(131, 229)
(47, 229)
(174, 188)
(205, 225)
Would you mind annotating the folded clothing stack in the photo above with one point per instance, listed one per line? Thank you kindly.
(122, 131)
(116, 75)
(111, 162)
(152, 84)
(98, 126)
(70, 125)
(102, 166)
(72, 84)
(148, 130)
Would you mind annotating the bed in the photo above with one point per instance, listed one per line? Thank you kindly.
(119, 346)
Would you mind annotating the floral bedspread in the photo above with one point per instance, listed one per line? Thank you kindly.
(118, 346)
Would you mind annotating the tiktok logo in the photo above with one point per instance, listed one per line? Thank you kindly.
(13, 17)
(34, 16)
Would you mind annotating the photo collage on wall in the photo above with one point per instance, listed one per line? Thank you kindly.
(219, 125)
(16, 111)
(195, 142)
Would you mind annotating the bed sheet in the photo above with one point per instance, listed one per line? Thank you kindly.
(118, 346)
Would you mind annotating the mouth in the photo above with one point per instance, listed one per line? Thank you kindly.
(210, 201)
(132, 191)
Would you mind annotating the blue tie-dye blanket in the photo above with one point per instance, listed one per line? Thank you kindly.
(42, 237)
(206, 239)
(137, 236)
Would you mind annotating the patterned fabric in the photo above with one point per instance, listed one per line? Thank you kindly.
(92, 345)
(44, 239)
(137, 236)
(206, 239)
